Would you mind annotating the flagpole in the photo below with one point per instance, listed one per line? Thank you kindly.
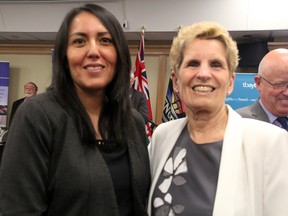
(143, 29)
(141, 81)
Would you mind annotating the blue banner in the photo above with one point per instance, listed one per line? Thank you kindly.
(244, 93)
(4, 84)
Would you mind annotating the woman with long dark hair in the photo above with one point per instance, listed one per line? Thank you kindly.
(79, 148)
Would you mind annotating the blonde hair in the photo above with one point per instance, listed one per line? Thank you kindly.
(206, 31)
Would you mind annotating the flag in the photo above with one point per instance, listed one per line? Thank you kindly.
(173, 107)
(141, 82)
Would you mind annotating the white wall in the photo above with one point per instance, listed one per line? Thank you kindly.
(25, 68)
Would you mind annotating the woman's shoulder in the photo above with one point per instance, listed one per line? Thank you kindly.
(261, 126)
(255, 126)
(169, 130)
(263, 136)
(47, 98)
(44, 97)
(177, 123)
(45, 104)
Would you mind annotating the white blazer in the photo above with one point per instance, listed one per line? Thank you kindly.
(253, 174)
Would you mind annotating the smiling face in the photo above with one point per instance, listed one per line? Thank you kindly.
(203, 79)
(274, 68)
(91, 53)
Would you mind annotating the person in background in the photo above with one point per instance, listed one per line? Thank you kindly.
(213, 161)
(138, 99)
(30, 89)
(272, 84)
(79, 148)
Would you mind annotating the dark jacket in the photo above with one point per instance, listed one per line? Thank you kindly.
(139, 102)
(15, 106)
(254, 111)
(46, 170)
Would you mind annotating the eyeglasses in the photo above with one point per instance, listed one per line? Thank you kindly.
(277, 86)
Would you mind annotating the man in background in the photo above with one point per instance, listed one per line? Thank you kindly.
(30, 89)
(272, 84)
(138, 99)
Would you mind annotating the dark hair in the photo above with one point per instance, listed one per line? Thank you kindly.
(116, 111)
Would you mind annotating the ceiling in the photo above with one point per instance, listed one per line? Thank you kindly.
(44, 37)
(239, 36)
(50, 1)
(48, 37)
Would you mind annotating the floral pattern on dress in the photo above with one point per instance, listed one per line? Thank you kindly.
(173, 168)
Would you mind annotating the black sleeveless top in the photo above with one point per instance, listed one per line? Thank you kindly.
(118, 163)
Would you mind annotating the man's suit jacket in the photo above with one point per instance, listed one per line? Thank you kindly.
(253, 169)
(15, 106)
(254, 111)
(139, 102)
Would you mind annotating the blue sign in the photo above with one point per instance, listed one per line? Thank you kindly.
(4, 84)
(244, 93)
